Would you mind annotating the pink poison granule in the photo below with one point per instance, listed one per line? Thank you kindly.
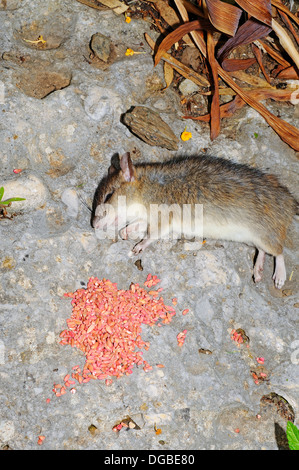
(106, 325)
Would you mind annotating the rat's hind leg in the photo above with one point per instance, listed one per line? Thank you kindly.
(279, 275)
(259, 266)
(274, 246)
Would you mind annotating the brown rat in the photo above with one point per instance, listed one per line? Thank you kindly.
(238, 203)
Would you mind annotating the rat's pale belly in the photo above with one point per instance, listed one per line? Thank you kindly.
(229, 231)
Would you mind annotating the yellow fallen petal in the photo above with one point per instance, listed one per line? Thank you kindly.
(131, 52)
(39, 39)
(186, 136)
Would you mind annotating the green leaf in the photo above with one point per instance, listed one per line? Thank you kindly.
(293, 436)
(12, 199)
(1, 192)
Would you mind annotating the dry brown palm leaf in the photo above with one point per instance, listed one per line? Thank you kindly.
(168, 74)
(238, 64)
(277, 4)
(178, 33)
(182, 69)
(253, 80)
(93, 4)
(261, 9)
(289, 73)
(228, 109)
(197, 36)
(276, 94)
(277, 70)
(191, 8)
(286, 131)
(223, 16)
(215, 104)
(115, 5)
(273, 53)
(289, 25)
(286, 42)
(170, 16)
(259, 58)
(249, 32)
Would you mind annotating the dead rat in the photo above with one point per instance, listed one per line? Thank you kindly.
(238, 203)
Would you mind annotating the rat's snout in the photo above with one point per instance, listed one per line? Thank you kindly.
(100, 213)
(104, 217)
(95, 222)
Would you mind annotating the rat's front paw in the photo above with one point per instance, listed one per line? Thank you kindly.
(138, 248)
(123, 233)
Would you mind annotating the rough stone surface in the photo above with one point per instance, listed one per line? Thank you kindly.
(64, 144)
(101, 46)
(71, 200)
(41, 83)
(29, 187)
(187, 87)
(150, 127)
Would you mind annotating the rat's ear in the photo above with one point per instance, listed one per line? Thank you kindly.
(112, 170)
(114, 165)
(127, 167)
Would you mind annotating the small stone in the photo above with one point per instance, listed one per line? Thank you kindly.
(139, 265)
(204, 351)
(8, 263)
(70, 198)
(38, 82)
(278, 404)
(187, 87)
(10, 4)
(53, 29)
(287, 292)
(88, 241)
(29, 187)
(100, 46)
(7, 430)
(150, 127)
(14, 56)
(102, 104)
(93, 429)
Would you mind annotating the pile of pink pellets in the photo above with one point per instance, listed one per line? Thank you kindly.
(106, 325)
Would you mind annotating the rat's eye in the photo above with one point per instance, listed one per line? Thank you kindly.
(108, 196)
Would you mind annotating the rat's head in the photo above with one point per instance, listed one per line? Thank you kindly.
(116, 196)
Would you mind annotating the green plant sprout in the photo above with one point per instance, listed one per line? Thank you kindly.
(293, 436)
(7, 202)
